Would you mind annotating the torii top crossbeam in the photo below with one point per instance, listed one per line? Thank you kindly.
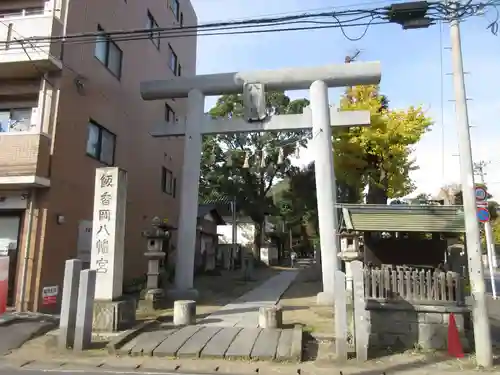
(336, 75)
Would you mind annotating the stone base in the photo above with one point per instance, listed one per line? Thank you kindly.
(403, 326)
(325, 299)
(113, 316)
(182, 294)
(153, 300)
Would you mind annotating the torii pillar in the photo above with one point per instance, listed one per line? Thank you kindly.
(320, 117)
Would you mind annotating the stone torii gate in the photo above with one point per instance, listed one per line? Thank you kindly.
(320, 117)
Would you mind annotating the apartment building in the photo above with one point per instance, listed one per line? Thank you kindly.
(69, 108)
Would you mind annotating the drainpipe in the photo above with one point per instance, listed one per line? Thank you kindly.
(27, 248)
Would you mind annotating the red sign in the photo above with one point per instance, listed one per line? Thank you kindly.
(4, 283)
(49, 295)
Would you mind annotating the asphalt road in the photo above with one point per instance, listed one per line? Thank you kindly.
(8, 371)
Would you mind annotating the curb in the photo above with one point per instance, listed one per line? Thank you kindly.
(127, 335)
(6, 320)
(296, 349)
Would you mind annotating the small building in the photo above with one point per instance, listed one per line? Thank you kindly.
(207, 238)
(405, 234)
(415, 272)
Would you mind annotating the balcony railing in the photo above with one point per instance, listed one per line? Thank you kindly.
(24, 154)
(19, 25)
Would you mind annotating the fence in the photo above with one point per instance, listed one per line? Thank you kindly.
(412, 284)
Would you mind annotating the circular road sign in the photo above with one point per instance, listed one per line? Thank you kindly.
(481, 193)
(483, 215)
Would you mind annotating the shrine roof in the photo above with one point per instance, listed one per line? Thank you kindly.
(402, 218)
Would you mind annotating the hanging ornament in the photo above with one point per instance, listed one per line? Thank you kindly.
(229, 159)
(263, 159)
(246, 164)
(297, 150)
(281, 156)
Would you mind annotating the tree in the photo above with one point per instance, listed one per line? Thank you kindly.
(246, 166)
(297, 202)
(379, 155)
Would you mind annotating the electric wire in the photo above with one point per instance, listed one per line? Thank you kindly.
(436, 12)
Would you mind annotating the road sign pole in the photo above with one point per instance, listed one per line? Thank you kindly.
(489, 250)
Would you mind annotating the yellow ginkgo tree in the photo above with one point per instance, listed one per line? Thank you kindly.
(378, 156)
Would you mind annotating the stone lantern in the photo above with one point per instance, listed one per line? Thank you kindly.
(350, 250)
(158, 240)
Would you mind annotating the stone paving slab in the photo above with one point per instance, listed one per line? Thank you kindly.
(266, 345)
(196, 343)
(218, 343)
(217, 346)
(244, 311)
(242, 346)
(147, 343)
(175, 341)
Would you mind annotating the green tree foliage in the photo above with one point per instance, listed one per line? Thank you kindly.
(297, 203)
(379, 155)
(250, 185)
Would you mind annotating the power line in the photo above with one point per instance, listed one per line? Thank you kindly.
(436, 12)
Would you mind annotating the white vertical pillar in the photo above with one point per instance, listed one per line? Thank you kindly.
(108, 232)
(326, 189)
(186, 243)
(490, 251)
(480, 320)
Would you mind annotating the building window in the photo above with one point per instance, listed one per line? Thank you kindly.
(108, 52)
(173, 60)
(167, 181)
(176, 9)
(169, 113)
(154, 36)
(15, 120)
(101, 143)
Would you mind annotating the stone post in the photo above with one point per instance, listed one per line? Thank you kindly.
(361, 317)
(247, 260)
(108, 243)
(270, 317)
(350, 252)
(341, 321)
(67, 321)
(184, 313)
(84, 316)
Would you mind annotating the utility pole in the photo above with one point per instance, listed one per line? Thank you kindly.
(482, 334)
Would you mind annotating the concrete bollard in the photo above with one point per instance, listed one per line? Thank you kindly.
(67, 321)
(270, 317)
(184, 313)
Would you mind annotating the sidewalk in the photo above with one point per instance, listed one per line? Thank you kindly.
(244, 311)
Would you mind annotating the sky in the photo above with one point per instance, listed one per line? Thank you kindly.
(416, 67)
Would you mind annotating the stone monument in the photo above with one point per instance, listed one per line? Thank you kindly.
(111, 311)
